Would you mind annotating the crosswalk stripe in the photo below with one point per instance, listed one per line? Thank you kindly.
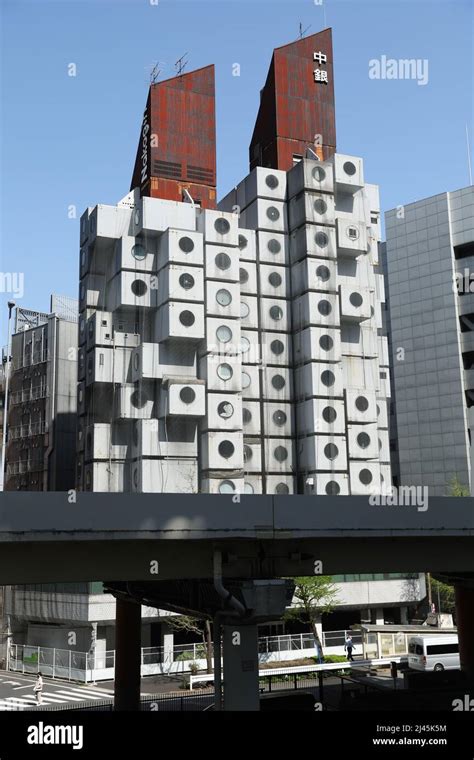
(95, 693)
(52, 698)
(21, 699)
(70, 697)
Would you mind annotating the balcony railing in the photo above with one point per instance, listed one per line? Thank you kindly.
(26, 431)
(25, 465)
(29, 361)
(29, 394)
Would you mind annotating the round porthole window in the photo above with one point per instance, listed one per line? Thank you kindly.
(223, 297)
(278, 382)
(282, 489)
(331, 451)
(225, 410)
(318, 174)
(226, 486)
(225, 371)
(248, 488)
(273, 213)
(326, 342)
(246, 416)
(349, 168)
(365, 477)
(271, 181)
(320, 206)
(276, 313)
(279, 417)
(186, 281)
(323, 273)
(226, 449)
(280, 453)
(321, 239)
(138, 399)
(222, 226)
(222, 261)
(138, 252)
(329, 414)
(246, 380)
(82, 291)
(224, 334)
(139, 288)
(83, 257)
(356, 299)
(244, 345)
(277, 347)
(82, 325)
(187, 318)
(378, 410)
(135, 477)
(332, 488)
(274, 246)
(328, 378)
(137, 216)
(361, 403)
(275, 279)
(324, 308)
(248, 453)
(243, 242)
(187, 395)
(243, 276)
(186, 244)
(244, 309)
(136, 361)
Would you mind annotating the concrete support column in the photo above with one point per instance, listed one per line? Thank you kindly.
(379, 618)
(404, 615)
(240, 660)
(465, 626)
(127, 655)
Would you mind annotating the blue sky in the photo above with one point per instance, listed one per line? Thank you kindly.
(72, 140)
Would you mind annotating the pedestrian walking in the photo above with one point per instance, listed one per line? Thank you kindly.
(38, 688)
(348, 647)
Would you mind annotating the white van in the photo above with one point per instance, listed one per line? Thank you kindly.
(438, 652)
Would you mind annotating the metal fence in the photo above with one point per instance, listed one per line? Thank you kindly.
(99, 665)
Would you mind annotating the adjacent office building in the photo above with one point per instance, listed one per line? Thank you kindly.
(429, 264)
(42, 399)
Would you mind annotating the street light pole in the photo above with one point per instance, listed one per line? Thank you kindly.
(11, 306)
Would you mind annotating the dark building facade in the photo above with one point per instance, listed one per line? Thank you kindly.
(297, 107)
(177, 150)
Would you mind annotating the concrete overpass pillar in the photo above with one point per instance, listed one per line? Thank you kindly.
(127, 655)
(240, 660)
(465, 626)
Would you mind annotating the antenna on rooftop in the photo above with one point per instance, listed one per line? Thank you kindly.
(180, 64)
(303, 31)
(155, 71)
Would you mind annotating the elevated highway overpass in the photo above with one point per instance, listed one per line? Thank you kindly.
(222, 555)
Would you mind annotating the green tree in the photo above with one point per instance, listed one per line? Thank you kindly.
(313, 596)
(445, 594)
(456, 488)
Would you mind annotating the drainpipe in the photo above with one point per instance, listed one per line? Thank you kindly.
(237, 611)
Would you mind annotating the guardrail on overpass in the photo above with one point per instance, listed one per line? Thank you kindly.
(61, 537)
